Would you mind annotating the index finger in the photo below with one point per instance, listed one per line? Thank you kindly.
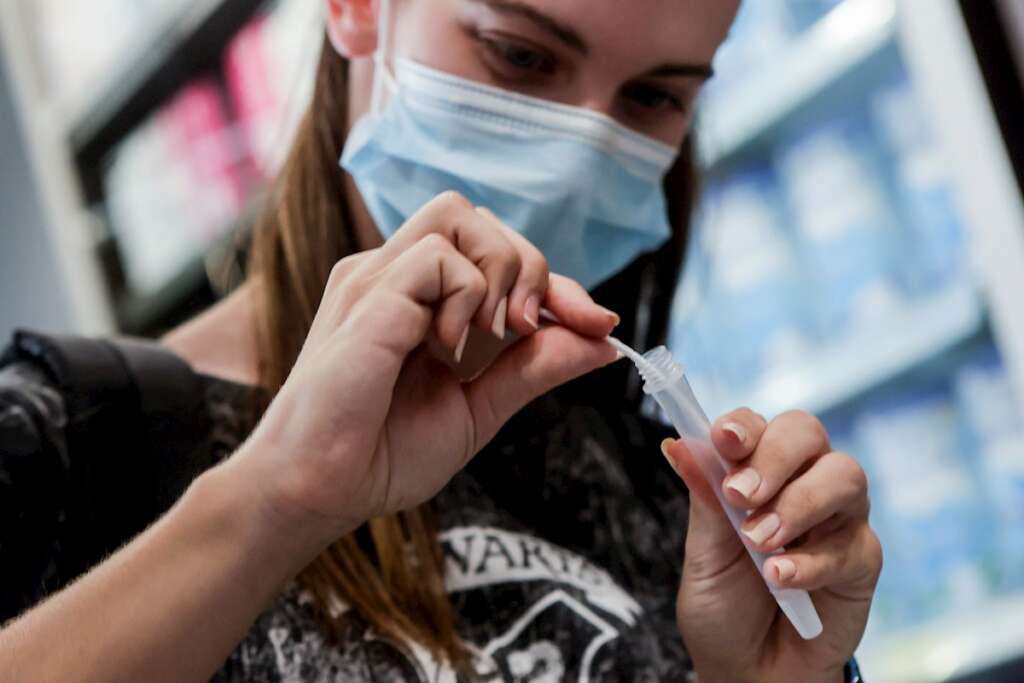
(574, 308)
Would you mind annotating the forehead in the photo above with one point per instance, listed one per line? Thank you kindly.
(658, 29)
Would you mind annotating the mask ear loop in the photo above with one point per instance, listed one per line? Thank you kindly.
(384, 83)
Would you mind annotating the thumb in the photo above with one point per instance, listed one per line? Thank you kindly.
(711, 542)
(532, 366)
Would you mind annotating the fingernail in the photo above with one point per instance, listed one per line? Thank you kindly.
(785, 569)
(531, 312)
(664, 451)
(549, 316)
(462, 345)
(736, 430)
(498, 325)
(764, 529)
(744, 482)
(616, 320)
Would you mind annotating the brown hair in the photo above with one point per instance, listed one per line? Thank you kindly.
(391, 571)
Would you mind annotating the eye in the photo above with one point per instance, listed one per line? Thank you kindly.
(515, 59)
(653, 98)
(523, 57)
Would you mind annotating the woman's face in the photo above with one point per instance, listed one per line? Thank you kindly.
(642, 62)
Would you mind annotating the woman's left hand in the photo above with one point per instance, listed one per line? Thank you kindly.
(800, 495)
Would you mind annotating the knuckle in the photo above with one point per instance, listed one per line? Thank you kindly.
(502, 263)
(434, 242)
(508, 255)
(345, 289)
(477, 283)
(514, 265)
(853, 473)
(875, 554)
(844, 469)
(342, 269)
(870, 556)
(807, 501)
(809, 425)
(534, 262)
(453, 201)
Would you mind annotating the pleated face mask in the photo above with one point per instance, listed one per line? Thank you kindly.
(584, 189)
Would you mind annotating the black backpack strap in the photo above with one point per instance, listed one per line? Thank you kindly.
(176, 421)
(137, 433)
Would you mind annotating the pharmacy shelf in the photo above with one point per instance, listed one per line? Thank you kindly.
(752, 107)
(185, 45)
(840, 373)
(948, 649)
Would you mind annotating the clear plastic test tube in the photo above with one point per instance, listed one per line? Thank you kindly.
(665, 380)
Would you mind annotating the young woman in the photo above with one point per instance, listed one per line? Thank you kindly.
(391, 328)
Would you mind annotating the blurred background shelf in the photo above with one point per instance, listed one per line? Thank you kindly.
(821, 60)
(960, 647)
(835, 375)
(204, 279)
(186, 40)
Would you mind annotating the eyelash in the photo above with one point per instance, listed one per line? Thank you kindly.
(504, 51)
(641, 90)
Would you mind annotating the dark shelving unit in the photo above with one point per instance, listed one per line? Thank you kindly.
(992, 46)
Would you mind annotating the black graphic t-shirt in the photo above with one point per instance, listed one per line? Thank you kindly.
(563, 543)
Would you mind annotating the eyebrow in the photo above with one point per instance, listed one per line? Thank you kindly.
(564, 33)
(574, 40)
(704, 71)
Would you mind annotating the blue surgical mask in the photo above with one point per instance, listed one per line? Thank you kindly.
(584, 189)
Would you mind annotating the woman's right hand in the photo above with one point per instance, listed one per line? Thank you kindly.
(369, 422)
